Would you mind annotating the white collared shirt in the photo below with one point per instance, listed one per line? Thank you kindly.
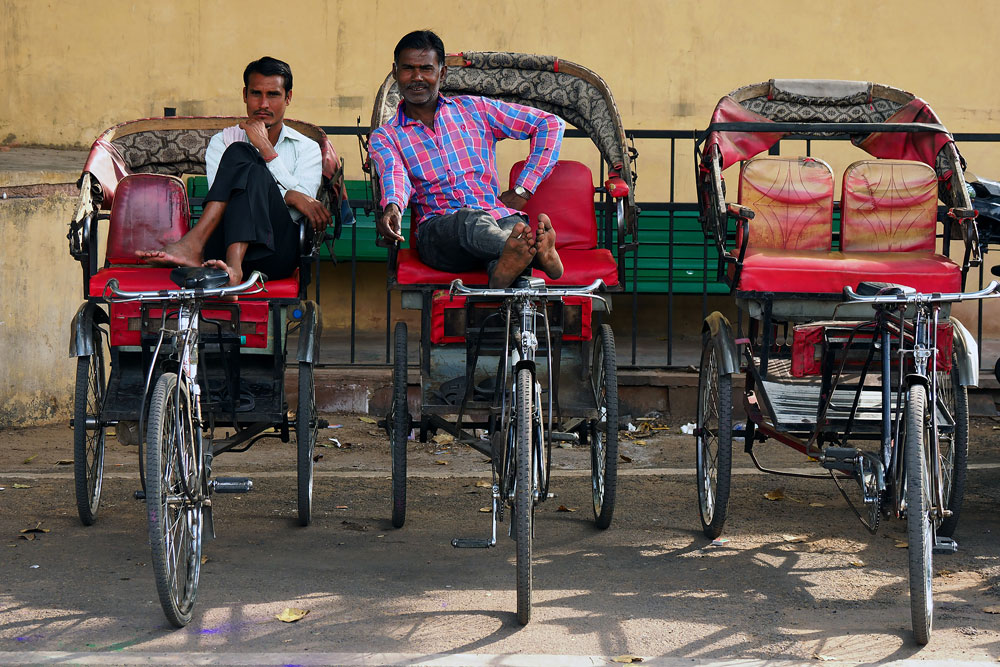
(298, 165)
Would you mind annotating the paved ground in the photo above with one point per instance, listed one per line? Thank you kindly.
(799, 579)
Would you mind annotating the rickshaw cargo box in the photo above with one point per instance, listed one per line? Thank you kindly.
(573, 315)
(809, 341)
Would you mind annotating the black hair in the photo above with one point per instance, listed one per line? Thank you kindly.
(268, 66)
(420, 40)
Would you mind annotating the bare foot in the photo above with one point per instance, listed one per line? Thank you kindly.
(518, 252)
(235, 274)
(546, 256)
(173, 254)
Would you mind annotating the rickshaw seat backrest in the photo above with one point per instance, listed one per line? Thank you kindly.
(149, 211)
(889, 206)
(567, 197)
(792, 199)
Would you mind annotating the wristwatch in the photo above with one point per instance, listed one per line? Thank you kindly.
(521, 191)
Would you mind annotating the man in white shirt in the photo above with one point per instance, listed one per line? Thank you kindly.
(262, 178)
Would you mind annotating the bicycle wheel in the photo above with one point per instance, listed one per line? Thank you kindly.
(88, 431)
(954, 446)
(524, 505)
(604, 429)
(399, 427)
(306, 427)
(173, 476)
(919, 527)
(713, 440)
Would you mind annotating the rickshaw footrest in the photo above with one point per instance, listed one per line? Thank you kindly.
(944, 545)
(232, 485)
(471, 543)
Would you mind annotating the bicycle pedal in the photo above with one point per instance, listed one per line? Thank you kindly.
(840, 458)
(232, 485)
(557, 436)
(139, 495)
(470, 543)
(322, 423)
(944, 545)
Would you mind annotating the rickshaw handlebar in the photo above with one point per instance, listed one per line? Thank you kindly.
(542, 291)
(255, 281)
(990, 291)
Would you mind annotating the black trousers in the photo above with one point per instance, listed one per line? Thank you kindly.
(255, 214)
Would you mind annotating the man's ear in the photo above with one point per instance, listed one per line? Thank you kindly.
(288, 97)
(394, 75)
(244, 94)
(444, 72)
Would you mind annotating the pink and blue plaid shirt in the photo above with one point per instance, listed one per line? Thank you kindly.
(453, 166)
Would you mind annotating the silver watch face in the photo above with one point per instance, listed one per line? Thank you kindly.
(520, 191)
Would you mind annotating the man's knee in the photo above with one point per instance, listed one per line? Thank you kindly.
(240, 152)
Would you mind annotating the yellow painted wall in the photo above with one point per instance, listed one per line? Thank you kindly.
(72, 68)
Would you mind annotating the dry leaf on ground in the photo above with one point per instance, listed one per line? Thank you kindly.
(368, 420)
(64, 462)
(816, 505)
(626, 659)
(31, 458)
(441, 463)
(21, 486)
(992, 609)
(485, 509)
(824, 658)
(291, 614)
(443, 438)
(776, 494)
(37, 529)
(795, 538)
(563, 508)
(901, 545)
(484, 485)
(858, 563)
(626, 459)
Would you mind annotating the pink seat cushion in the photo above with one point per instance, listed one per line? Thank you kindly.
(792, 201)
(149, 211)
(143, 278)
(889, 205)
(567, 197)
(816, 272)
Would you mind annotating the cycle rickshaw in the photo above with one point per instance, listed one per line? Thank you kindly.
(849, 350)
(510, 371)
(164, 356)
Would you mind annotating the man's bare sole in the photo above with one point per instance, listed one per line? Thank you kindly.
(173, 254)
(518, 253)
(546, 256)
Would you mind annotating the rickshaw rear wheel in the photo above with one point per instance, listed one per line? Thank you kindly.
(604, 429)
(954, 446)
(89, 431)
(919, 527)
(524, 505)
(399, 427)
(306, 427)
(714, 433)
(173, 492)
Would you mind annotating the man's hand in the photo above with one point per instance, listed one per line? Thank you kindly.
(390, 225)
(257, 135)
(315, 212)
(513, 200)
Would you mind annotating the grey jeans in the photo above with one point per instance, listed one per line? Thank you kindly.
(466, 240)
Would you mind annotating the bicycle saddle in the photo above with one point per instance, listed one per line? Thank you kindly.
(199, 277)
(880, 289)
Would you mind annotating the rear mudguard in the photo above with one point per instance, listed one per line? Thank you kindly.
(721, 332)
(309, 333)
(81, 330)
(966, 354)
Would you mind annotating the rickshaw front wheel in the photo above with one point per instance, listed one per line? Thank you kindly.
(919, 527)
(524, 504)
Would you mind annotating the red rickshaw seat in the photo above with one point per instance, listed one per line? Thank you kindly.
(888, 205)
(143, 278)
(567, 197)
(792, 201)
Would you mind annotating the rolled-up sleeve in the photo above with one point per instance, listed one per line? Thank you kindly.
(545, 130)
(396, 187)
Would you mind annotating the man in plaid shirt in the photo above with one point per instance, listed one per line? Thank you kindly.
(439, 153)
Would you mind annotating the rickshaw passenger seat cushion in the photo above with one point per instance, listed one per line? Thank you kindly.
(792, 199)
(889, 206)
(144, 278)
(411, 271)
(567, 197)
(149, 211)
(813, 272)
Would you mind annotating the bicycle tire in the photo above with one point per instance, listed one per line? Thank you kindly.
(306, 427)
(954, 463)
(919, 528)
(175, 528)
(88, 443)
(604, 429)
(713, 442)
(523, 498)
(399, 426)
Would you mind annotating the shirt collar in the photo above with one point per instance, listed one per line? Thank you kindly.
(402, 119)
